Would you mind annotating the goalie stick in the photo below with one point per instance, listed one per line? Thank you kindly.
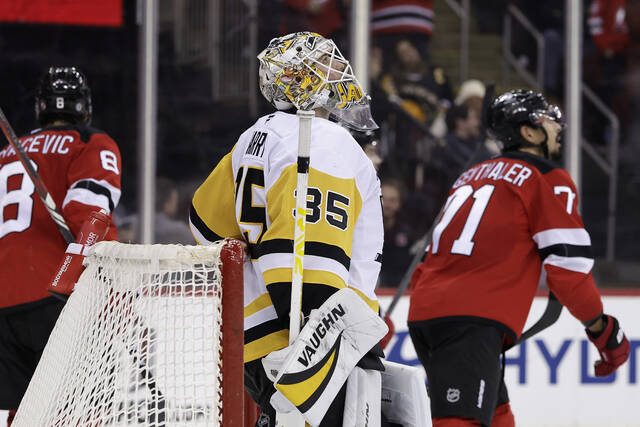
(305, 118)
(304, 147)
(64, 229)
(554, 307)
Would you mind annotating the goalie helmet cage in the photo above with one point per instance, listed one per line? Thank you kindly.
(152, 336)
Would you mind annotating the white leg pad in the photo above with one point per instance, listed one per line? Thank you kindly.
(404, 395)
(362, 403)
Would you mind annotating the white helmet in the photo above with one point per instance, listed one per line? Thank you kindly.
(307, 71)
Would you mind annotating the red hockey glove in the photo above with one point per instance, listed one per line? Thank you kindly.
(93, 230)
(612, 344)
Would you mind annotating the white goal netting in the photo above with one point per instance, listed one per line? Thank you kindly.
(139, 342)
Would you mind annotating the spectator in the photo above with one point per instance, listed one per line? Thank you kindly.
(420, 88)
(168, 229)
(471, 93)
(419, 92)
(463, 137)
(608, 26)
(460, 146)
(394, 20)
(325, 17)
(397, 234)
(610, 34)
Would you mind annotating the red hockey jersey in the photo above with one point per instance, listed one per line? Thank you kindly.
(81, 168)
(504, 219)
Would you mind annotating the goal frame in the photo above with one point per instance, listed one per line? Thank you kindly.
(232, 257)
(57, 380)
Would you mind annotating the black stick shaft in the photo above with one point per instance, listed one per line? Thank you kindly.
(35, 178)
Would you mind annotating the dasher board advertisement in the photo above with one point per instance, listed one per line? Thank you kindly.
(550, 377)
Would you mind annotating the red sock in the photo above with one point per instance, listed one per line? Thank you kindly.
(12, 414)
(455, 422)
(503, 417)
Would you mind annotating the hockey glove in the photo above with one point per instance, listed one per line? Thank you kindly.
(612, 345)
(93, 230)
(310, 372)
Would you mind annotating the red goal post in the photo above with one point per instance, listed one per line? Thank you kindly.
(152, 335)
(232, 256)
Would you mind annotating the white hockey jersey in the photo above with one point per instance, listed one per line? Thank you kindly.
(250, 195)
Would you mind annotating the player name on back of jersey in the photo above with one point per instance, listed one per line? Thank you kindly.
(256, 146)
(46, 143)
(509, 171)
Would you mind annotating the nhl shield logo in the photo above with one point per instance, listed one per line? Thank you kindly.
(453, 395)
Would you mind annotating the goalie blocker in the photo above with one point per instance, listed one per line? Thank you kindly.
(310, 373)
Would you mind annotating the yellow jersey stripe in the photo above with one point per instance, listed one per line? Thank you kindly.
(262, 302)
(265, 345)
(217, 213)
(283, 275)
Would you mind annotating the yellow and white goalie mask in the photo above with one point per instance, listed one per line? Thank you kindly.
(308, 71)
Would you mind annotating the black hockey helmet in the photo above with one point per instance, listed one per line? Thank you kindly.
(63, 94)
(513, 109)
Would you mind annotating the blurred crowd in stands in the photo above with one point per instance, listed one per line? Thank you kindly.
(430, 125)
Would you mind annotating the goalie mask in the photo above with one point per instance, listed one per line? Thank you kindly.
(306, 71)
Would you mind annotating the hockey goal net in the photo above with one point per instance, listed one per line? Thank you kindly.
(152, 335)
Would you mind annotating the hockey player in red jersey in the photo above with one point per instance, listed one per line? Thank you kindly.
(81, 168)
(505, 219)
